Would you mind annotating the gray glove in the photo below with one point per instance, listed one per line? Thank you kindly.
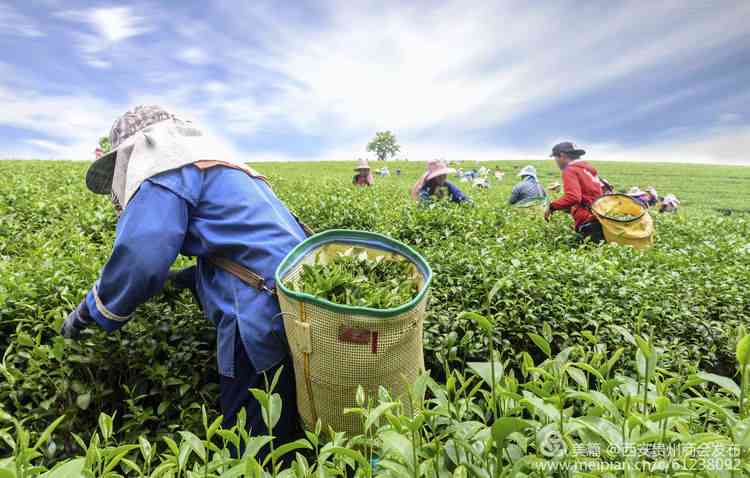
(76, 321)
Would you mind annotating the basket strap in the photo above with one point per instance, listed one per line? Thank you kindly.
(307, 230)
(306, 369)
(244, 274)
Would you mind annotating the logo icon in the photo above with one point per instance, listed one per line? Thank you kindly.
(551, 444)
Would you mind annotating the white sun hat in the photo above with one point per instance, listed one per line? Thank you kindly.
(528, 171)
(635, 191)
(362, 164)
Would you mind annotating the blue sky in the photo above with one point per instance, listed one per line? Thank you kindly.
(315, 80)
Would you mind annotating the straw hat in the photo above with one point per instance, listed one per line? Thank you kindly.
(437, 167)
(635, 191)
(528, 171)
(362, 164)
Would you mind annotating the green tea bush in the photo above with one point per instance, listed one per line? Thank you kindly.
(570, 414)
(688, 295)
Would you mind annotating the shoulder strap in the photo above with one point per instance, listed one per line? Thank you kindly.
(244, 274)
(241, 272)
(307, 230)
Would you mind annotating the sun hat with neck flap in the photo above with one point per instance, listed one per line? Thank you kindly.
(147, 141)
(100, 173)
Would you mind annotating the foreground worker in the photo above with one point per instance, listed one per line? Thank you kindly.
(581, 187)
(528, 188)
(364, 174)
(434, 184)
(172, 198)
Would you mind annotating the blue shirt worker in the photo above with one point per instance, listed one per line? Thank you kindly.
(173, 198)
(528, 188)
(434, 184)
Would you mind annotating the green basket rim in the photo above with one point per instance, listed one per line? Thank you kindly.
(331, 236)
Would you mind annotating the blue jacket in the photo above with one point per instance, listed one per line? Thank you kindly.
(455, 194)
(528, 189)
(219, 211)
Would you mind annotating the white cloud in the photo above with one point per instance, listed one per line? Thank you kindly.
(719, 146)
(71, 124)
(435, 75)
(51, 146)
(116, 23)
(107, 27)
(98, 63)
(215, 87)
(193, 56)
(460, 68)
(14, 23)
(110, 24)
(729, 117)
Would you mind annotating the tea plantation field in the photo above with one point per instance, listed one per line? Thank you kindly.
(605, 348)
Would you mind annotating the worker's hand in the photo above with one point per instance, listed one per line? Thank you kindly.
(547, 213)
(76, 321)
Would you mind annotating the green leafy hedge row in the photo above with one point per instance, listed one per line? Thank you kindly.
(157, 372)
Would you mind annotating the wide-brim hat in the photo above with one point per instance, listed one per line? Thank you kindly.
(528, 171)
(635, 191)
(444, 170)
(362, 164)
(100, 173)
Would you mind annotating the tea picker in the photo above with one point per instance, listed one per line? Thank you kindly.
(669, 203)
(528, 188)
(645, 198)
(364, 174)
(434, 184)
(581, 187)
(175, 194)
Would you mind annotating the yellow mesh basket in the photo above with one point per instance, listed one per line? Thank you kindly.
(624, 220)
(335, 348)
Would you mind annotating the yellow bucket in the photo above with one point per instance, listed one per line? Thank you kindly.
(624, 221)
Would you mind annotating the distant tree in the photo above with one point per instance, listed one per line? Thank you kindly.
(383, 145)
(104, 144)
